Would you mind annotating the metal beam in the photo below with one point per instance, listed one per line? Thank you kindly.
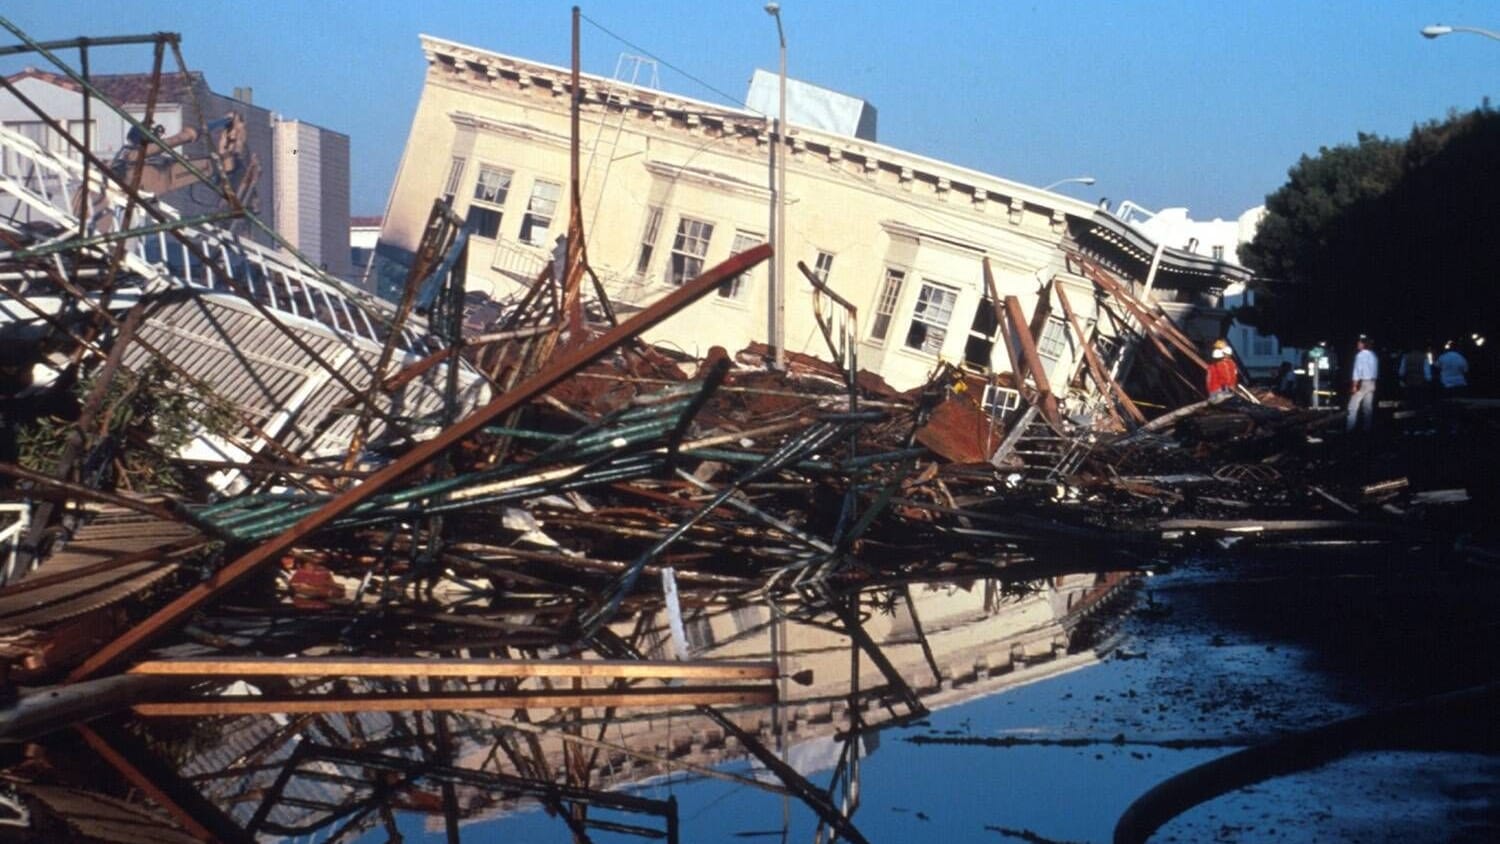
(105, 41)
(561, 368)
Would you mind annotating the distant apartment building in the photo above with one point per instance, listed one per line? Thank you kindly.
(312, 193)
(673, 185)
(1260, 354)
(299, 183)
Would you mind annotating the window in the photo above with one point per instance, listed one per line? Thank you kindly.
(1218, 253)
(1107, 347)
(981, 343)
(491, 188)
(1054, 340)
(823, 266)
(648, 239)
(732, 288)
(493, 184)
(998, 400)
(889, 296)
(539, 211)
(33, 130)
(930, 317)
(484, 222)
(455, 177)
(688, 249)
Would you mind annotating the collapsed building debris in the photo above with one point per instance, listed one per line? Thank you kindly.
(244, 489)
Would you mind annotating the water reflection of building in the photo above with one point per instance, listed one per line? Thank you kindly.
(860, 663)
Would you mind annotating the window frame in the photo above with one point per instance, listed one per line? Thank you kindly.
(886, 302)
(920, 315)
(528, 233)
(732, 288)
(821, 268)
(456, 166)
(650, 234)
(488, 202)
(690, 230)
(1050, 339)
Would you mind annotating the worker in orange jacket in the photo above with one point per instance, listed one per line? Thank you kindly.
(1223, 374)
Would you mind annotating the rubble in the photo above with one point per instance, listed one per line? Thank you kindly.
(241, 468)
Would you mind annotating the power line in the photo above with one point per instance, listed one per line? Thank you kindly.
(659, 60)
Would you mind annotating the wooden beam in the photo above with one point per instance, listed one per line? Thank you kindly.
(1022, 331)
(999, 305)
(460, 701)
(419, 667)
(1096, 367)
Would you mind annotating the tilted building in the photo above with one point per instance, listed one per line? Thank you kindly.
(672, 185)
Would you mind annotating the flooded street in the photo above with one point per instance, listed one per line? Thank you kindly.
(1053, 706)
(1195, 669)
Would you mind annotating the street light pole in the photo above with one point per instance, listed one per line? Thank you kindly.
(1081, 180)
(1438, 30)
(776, 322)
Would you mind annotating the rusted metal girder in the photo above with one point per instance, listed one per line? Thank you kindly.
(562, 367)
(436, 238)
(102, 41)
(1021, 330)
(1097, 369)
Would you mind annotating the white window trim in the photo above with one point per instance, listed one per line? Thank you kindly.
(880, 298)
(946, 327)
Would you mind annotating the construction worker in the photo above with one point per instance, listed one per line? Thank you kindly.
(1223, 374)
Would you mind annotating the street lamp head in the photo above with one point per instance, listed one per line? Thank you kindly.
(774, 9)
(1427, 31)
(1076, 180)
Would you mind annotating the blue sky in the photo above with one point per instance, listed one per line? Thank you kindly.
(1203, 104)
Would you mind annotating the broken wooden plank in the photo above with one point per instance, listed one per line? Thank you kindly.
(1097, 369)
(247, 666)
(459, 701)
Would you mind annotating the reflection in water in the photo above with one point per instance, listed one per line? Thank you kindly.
(344, 759)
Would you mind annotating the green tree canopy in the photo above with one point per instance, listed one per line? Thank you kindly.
(1394, 238)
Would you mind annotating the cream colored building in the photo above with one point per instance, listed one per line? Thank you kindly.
(672, 185)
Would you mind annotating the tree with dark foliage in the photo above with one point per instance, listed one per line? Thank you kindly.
(1397, 239)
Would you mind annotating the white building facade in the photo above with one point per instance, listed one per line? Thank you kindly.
(672, 185)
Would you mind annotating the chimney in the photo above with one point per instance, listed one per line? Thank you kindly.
(244, 95)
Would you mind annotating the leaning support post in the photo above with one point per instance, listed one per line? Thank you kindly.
(1020, 329)
(1096, 367)
(179, 609)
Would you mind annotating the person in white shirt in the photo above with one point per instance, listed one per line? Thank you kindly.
(1452, 371)
(1362, 386)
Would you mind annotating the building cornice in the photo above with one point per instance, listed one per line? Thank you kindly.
(482, 71)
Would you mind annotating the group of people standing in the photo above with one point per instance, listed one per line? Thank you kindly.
(1422, 376)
